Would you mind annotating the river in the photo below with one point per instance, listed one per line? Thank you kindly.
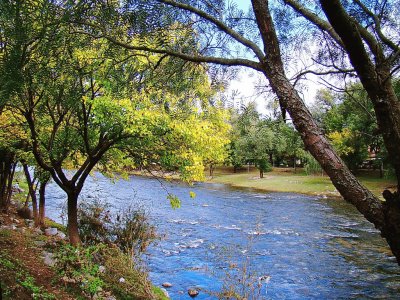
(305, 247)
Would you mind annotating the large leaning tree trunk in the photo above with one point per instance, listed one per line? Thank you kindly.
(376, 80)
(314, 140)
(373, 55)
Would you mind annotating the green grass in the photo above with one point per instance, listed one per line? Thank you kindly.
(285, 180)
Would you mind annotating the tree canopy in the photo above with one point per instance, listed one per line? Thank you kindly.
(84, 103)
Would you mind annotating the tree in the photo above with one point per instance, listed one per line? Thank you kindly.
(11, 146)
(255, 140)
(86, 104)
(268, 60)
(351, 125)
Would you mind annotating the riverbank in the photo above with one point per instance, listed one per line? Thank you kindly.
(35, 264)
(288, 181)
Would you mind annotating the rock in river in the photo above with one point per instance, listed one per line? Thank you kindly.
(167, 285)
(193, 292)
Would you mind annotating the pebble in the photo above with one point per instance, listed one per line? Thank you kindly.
(193, 292)
(48, 259)
(50, 231)
(167, 285)
(61, 235)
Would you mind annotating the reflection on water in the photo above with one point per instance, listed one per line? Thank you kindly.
(310, 248)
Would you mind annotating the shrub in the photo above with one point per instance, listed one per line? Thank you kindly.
(95, 222)
(130, 230)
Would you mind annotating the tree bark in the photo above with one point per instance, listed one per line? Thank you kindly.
(42, 202)
(73, 231)
(376, 80)
(32, 192)
(211, 170)
(7, 169)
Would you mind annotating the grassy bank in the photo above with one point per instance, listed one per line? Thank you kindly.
(38, 266)
(286, 180)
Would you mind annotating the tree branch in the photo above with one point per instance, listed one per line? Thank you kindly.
(378, 29)
(189, 57)
(222, 26)
(314, 19)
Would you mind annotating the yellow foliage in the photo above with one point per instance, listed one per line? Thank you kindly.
(339, 141)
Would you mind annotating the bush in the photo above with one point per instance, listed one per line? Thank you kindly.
(78, 265)
(133, 232)
(130, 230)
(95, 222)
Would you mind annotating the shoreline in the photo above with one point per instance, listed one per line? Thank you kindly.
(280, 180)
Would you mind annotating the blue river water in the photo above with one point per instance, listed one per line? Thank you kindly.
(294, 246)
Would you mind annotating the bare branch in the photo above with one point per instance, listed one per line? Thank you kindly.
(222, 26)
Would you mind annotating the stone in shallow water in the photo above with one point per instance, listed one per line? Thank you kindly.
(193, 292)
(167, 284)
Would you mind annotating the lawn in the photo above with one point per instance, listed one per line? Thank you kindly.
(285, 180)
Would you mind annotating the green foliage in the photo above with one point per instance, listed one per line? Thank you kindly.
(264, 165)
(80, 102)
(78, 264)
(263, 142)
(37, 292)
(82, 266)
(350, 123)
(174, 201)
